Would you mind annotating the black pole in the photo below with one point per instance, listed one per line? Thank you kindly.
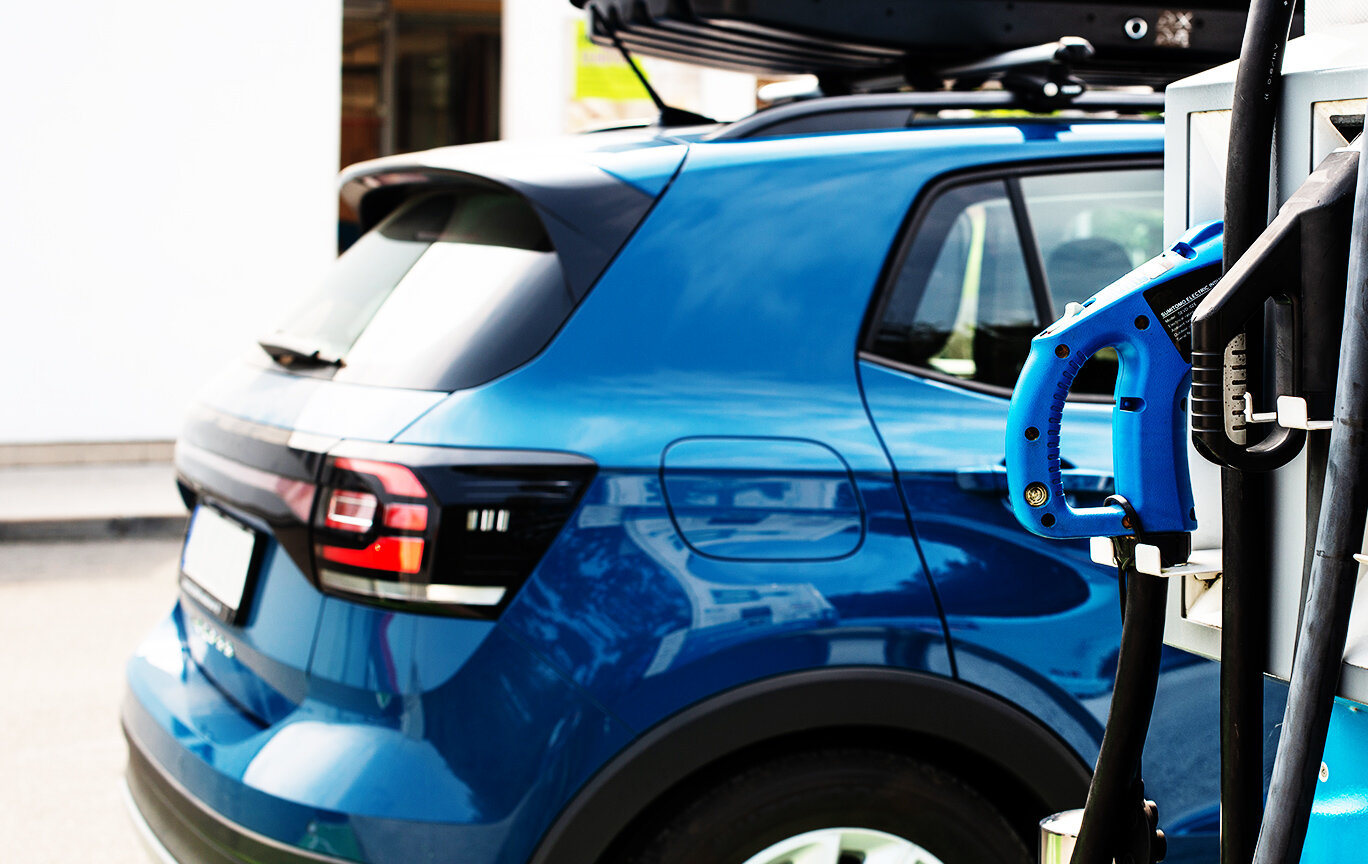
(1244, 496)
(1334, 572)
(1244, 646)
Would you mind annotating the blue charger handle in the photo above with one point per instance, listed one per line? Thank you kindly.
(1146, 316)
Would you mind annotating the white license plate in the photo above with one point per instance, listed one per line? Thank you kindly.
(216, 562)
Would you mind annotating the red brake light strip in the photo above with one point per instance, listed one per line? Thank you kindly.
(392, 554)
(396, 479)
(406, 517)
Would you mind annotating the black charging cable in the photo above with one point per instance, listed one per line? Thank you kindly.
(1118, 823)
(1123, 546)
(1246, 514)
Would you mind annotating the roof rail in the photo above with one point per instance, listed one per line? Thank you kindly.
(1042, 75)
(896, 110)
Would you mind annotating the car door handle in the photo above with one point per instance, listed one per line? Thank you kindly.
(988, 480)
(1079, 481)
(992, 480)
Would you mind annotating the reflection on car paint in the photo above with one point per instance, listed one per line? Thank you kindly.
(721, 612)
(620, 594)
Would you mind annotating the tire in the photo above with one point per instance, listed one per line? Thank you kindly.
(829, 807)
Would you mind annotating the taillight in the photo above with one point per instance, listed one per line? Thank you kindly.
(351, 511)
(370, 536)
(446, 530)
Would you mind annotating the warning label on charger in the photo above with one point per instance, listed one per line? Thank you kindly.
(1174, 302)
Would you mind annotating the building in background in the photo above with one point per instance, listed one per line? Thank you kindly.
(418, 74)
(427, 73)
(172, 172)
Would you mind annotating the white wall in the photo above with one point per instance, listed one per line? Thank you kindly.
(536, 67)
(168, 187)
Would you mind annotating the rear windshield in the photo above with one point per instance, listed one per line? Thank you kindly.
(455, 287)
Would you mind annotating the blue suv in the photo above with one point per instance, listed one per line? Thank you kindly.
(639, 497)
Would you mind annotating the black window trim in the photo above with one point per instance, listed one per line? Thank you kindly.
(1030, 250)
(1009, 174)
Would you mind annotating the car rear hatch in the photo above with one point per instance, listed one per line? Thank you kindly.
(472, 260)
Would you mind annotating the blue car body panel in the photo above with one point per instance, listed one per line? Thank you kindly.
(363, 759)
(627, 610)
(765, 504)
(266, 668)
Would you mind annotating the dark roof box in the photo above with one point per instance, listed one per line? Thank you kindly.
(865, 44)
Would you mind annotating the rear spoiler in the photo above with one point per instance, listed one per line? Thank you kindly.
(588, 212)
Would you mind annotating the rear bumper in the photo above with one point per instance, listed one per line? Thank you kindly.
(177, 828)
(156, 852)
(448, 772)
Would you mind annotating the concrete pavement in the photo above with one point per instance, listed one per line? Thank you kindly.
(71, 613)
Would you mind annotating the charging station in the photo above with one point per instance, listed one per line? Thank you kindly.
(1325, 81)
(1262, 570)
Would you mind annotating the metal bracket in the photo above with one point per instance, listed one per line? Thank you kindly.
(1251, 417)
(1292, 415)
(1202, 563)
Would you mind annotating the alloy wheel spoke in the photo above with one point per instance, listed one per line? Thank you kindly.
(832, 845)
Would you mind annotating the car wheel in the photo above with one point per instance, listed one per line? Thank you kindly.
(835, 806)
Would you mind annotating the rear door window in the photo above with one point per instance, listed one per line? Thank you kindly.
(455, 287)
(988, 263)
(1093, 227)
(962, 304)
